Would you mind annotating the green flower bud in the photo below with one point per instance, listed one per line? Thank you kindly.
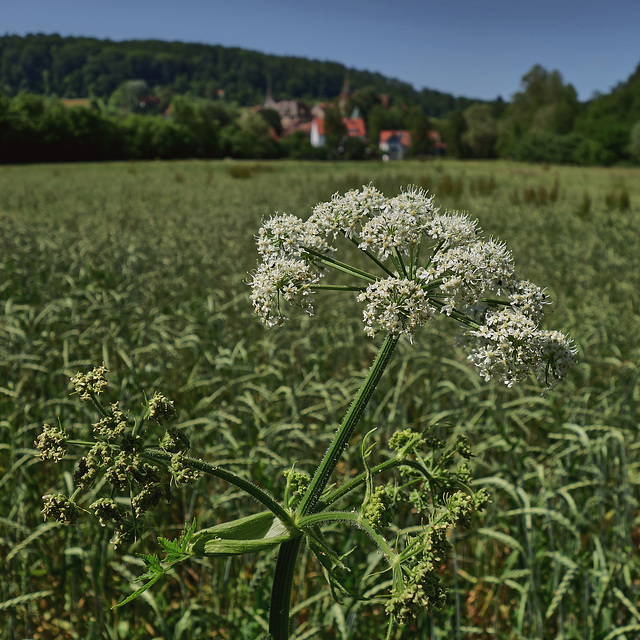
(52, 443)
(61, 508)
(90, 383)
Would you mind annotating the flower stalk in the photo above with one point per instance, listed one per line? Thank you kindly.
(286, 563)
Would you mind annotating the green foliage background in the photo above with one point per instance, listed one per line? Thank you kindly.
(143, 266)
(206, 85)
(81, 67)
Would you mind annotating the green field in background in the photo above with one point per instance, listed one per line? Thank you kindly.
(143, 266)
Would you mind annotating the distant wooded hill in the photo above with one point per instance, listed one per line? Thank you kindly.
(543, 122)
(74, 67)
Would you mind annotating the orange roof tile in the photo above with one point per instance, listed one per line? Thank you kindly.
(355, 127)
(404, 136)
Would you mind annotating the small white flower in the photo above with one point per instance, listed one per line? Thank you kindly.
(396, 305)
(509, 347)
(286, 278)
(469, 271)
(281, 235)
(505, 349)
(453, 229)
(530, 299)
(345, 213)
(558, 355)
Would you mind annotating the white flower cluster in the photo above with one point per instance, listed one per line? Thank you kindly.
(471, 269)
(397, 305)
(509, 347)
(282, 277)
(281, 235)
(422, 261)
(345, 213)
(399, 226)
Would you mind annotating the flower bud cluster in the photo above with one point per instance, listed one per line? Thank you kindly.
(60, 508)
(420, 588)
(160, 408)
(422, 591)
(377, 509)
(52, 443)
(297, 482)
(422, 262)
(118, 459)
(113, 425)
(92, 383)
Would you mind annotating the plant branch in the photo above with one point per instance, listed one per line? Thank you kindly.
(224, 474)
(331, 457)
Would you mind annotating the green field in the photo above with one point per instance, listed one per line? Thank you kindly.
(143, 266)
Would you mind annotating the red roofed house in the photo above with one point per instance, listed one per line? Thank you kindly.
(355, 129)
(394, 144)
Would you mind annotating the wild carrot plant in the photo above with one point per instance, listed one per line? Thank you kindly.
(408, 264)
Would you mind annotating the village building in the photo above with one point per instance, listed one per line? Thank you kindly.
(355, 127)
(316, 134)
(394, 144)
(293, 113)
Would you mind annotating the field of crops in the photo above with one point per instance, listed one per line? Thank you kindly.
(143, 266)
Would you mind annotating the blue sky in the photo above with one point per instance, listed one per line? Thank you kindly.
(473, 48)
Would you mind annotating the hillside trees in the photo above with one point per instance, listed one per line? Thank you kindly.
(81, 67)
(334, 128)
(129, 94)
(545, 110)
(480, 131)
(419, 125)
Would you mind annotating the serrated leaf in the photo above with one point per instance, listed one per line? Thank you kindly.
(170, 546)
(330, 562)
(139, 591)
(175, 553)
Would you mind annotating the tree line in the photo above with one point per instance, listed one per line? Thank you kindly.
(88, 67)
(545, 122)
(208, 89)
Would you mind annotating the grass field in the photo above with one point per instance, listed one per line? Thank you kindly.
(143, 266)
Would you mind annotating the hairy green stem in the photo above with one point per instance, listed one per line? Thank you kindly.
(354, 519)
(340, 266)
(356, 481)
(261, 496)
(332, 456)
(281, 590)
(285, 565)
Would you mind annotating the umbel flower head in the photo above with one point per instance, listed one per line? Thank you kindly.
(422, 263)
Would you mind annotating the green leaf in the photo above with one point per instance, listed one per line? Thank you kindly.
(332, 564)
(176, 552)
(245, 535)
(141, 590)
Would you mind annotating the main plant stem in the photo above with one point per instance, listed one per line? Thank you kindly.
(285, 566)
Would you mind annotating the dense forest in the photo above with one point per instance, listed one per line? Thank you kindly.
(152, 99)
(88, 67)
